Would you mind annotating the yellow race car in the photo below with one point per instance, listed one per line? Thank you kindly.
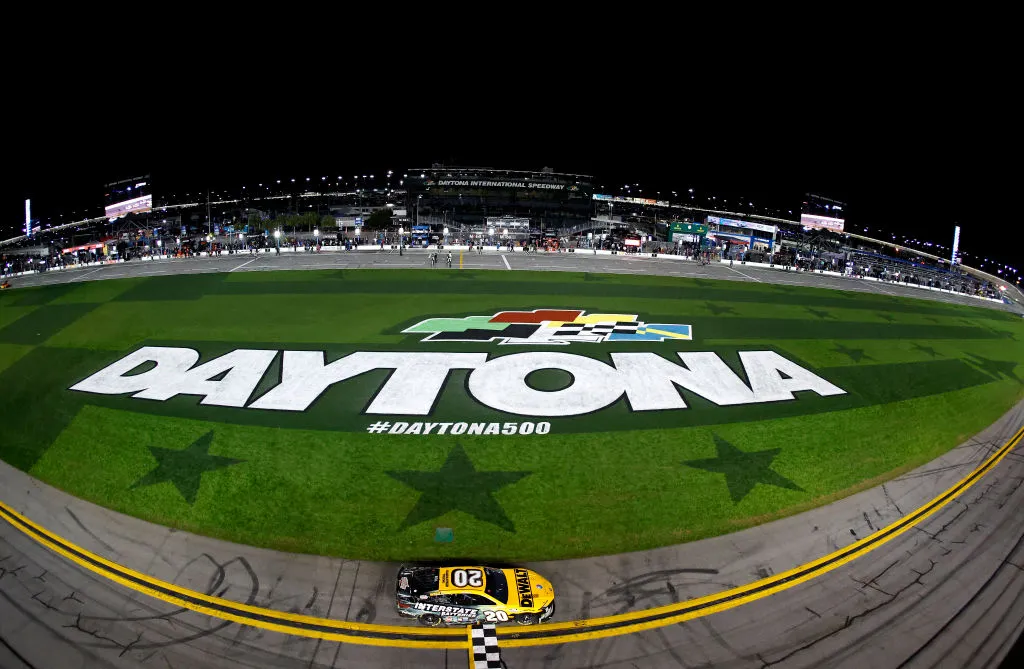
(467, 595)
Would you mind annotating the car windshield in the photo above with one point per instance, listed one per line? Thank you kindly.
(424, 580)
(497, 586)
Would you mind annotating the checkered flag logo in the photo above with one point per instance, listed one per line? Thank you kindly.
(485, 647)
(596, 329)
(548, 326)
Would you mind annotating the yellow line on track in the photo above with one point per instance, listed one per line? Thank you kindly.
(728, 599)
(454, 638)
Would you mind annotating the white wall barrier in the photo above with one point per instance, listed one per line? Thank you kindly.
(376, 248)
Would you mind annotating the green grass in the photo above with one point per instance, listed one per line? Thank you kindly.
(920, 376)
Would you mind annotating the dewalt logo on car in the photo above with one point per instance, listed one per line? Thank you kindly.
(523, 588)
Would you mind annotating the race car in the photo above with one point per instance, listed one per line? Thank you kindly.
(466, 595)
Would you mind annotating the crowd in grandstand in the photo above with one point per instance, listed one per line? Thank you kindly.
(795, 249)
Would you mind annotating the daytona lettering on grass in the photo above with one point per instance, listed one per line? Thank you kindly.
(399, 427)
(647, 381)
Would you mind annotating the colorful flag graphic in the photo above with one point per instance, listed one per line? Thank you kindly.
(548, 326)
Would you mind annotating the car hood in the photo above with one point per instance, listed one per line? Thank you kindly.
(527, 589)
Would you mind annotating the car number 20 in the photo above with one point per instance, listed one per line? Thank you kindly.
(471, 577)
(498, 616)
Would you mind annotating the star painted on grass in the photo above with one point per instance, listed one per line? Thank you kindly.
(743, 469)
(995, 368)
(1002, 334)
(927, 349)
(717, 309)
(185, 468)
(458, 486)
(855, 354)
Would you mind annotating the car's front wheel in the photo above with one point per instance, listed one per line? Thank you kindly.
(527, 618)
(430, 620)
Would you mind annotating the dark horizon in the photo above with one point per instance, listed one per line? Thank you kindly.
(895, 172)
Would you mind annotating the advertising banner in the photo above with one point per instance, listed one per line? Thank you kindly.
(487, 183)
(507, 222)
(630, 200)
(745, 225)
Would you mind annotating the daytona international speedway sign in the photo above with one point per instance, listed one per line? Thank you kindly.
(269, 380)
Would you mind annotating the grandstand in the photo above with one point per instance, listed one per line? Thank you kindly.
(464, 198)
(475, 203)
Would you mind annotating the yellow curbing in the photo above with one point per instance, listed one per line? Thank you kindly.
(454, 638)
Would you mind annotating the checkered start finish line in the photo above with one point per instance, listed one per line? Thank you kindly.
(486, 654)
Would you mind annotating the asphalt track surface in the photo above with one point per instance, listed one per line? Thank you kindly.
(371, 258)
(924, 571)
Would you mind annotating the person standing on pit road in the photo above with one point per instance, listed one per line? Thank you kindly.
(449, 260)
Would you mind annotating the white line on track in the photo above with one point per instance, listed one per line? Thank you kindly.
(746, 275)
(79, 278)
(505, 260)
(243, 264)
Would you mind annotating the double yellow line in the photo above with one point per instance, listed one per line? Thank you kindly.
(456, 638)
(626, 623)
(278, 621)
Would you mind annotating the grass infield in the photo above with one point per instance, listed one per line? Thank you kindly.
(920, 377)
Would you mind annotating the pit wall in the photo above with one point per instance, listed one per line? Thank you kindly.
(375, 248)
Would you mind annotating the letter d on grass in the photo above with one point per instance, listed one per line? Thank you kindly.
(170, 364)
(398, 428)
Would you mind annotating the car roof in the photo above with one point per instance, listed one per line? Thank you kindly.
(446, 586)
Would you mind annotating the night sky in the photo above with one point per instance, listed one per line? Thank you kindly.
(904, 153)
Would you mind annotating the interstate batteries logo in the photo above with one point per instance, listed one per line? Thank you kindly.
(548, 326)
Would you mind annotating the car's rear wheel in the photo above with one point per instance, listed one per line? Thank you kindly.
(430, 620)
(527, 618)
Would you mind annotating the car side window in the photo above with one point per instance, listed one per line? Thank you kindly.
(467, 599)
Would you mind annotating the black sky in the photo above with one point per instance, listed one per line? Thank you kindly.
(908, 144)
